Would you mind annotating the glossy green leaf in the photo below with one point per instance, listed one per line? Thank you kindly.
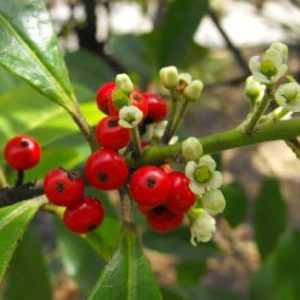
(79, 260)
(28, 48)
(270, 216)
(236, 203)
(128, 274)
(28, 277)
(14, 220)
(177, 29)
(7, 81)
(279, 276)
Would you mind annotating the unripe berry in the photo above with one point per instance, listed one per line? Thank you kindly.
(104, 96)
(22, 152)
(84, 217)
(157, 107)
(106, 170)
(110, 135)
(192, 148)
(181, 198)
(63, 188)
(149, 186)
(162, 220)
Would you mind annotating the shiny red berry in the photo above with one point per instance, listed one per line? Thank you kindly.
(157, 107)
(149, 186)
(106, 170)
(84, 217)
(22, 152)
(104, 96)
(136, 98)
(181, 197)
(63, 188)
(110, 135)
(162, 220)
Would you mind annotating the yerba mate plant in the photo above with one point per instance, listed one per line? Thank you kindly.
(135, 150)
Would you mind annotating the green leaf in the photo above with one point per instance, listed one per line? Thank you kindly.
(178, 243)
(28, 277)
(270, 216)
(14, 220)
(79, 260)
(279, 276)
(7, 81)
(177, 29)
(128, 274)
(236, 203)
(28, 48)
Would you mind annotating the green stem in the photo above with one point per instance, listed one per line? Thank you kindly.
(281, 130)
(179, 117)
(20, 178)
(3, 182)
(258, 112)
(136, 142)
(279, 115)
(166, 136)
(294, 145)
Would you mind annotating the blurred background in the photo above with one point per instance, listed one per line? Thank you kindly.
(255, 251)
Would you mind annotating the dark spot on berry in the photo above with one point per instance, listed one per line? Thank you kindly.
(159, 210)
(102, 176)
(136, 97)
(151, 183)
(60, 187)
(24, 143)
(112, 123)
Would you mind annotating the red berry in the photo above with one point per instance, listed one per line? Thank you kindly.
(104, 96)
(106, 170)
(181, 197)
(84, 217)
(136, 98)
(149, 186)
(22, 152)
(63, 188)
(110, 135)
(162, 220)
(157, 107)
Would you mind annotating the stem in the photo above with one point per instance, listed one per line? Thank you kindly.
(166, 136)
(280, 115)
(260, 109)
(3, 182)
(81, 122)
(179, 117)
(294, 145)
(136, 142)
(20, 178)
(281, 130)
(127, 215)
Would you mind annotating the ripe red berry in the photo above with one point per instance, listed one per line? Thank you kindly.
(162, 220)
(110, 135)
(104, 96)
(136, 98)
(63, 188)
(84, 217)
(149, 186)
(22, 152)
(106, 170)
(181, 197)
(157, 107)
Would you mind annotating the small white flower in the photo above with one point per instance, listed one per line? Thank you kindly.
(203, 176)
(130, 116)
(169, 77)
(173, 140)
(194, 90)
(214, 202)
(254, 90)
(186, 78)
(202, 228)
(271, 66)
(124, 83)
(192, 148)
(288, 96)
(159, 129)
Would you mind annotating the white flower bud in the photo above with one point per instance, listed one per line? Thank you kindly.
(288, 96)
(202, 228)
(282, 49)
(193, 91)
(124, 83)
(192, 148)
(130, 116)
(214, 202)
(169, 77)
(254, 90)
(185, 77)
